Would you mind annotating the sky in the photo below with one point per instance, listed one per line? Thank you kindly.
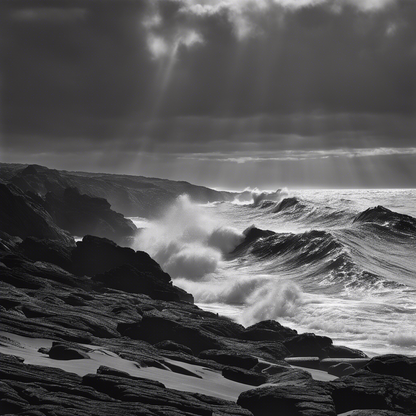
(224, 93)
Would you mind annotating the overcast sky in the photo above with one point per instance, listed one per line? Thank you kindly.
(226, 93)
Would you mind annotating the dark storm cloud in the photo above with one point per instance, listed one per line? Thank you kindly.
(174, 75)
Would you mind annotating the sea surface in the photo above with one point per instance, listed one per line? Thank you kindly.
(340, 263)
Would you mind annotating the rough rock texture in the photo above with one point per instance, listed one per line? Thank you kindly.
(336, 351)
(366, 390)
(63, 351)
(84, 214)
(244, 376)
(106, 304)
(30, 389)
(308, 345)
(267, 331)
(47, 250)
(341, 369)
(124, 269)
(394, 365)
(308, 398)
(22, 216)
(230, 358)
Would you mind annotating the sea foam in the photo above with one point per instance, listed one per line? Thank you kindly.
(186, 241)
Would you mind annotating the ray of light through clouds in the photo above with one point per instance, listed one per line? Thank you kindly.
(227, 93)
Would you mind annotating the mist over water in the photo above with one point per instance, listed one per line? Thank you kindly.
(320, 268)
(186, 241)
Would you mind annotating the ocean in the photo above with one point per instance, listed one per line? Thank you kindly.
(339, 263)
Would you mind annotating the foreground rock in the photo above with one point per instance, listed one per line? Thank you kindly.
(366, 390)
(35, 390)
(394, 365)
(308, 398)
(123, 306)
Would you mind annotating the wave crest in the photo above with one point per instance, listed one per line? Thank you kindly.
(186, 242)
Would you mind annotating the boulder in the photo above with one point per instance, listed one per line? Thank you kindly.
(62, 351)
(267, 331)
(308, 345)
(366, 390)
(94, 255)
(310, 398)
(230, 358)
(336, 351)
(133, 280)
(394, 365)
(295, 376)
(154, 329)
(244, 376)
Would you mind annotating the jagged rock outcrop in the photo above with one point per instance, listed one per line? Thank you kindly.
(84, 214)
(22, 216)
(124, 269)
(31, 389)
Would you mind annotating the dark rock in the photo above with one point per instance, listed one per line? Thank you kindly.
(275, 368)
(357, 363)
(336, 351)
(310, 398)
(113, 372)
(95, 255)
(268, 330)
(133, 280)
(230, 358)
(22, 216)
(341, 369)
(47, 250)
(366, 390)
(290, 376)
(271, 351)
(124, 269)
(244, 376)
(35, 390)
(84, 214)
(394, 365)
(308, 345)
(260, 334)
(61, 351)
(155, 329)
(173, 346)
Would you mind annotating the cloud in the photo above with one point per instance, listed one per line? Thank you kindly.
(298, 155)
(247, 80)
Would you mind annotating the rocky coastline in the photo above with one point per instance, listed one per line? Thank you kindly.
(93, 328)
